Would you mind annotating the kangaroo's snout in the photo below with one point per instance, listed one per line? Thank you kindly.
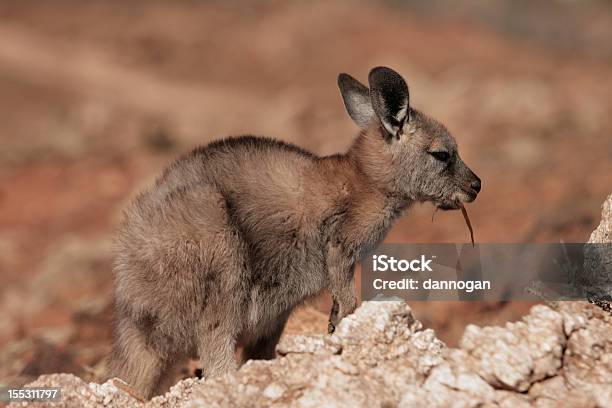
(472, 187)
(476, 184)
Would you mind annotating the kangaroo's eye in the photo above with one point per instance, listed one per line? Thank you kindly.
(442, 156)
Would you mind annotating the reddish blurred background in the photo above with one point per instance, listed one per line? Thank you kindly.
(97, 97)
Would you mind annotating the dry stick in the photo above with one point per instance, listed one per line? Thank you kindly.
(465, 217)
(469, 224)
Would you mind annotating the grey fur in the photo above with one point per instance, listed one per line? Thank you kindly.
(235, 234)
(356, 97)
(389, 96)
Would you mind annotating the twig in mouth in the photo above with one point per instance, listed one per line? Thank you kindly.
(469, 224)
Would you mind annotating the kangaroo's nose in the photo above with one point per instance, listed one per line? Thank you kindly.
(476, 185)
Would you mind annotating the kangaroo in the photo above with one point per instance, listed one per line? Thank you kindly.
(235, 234)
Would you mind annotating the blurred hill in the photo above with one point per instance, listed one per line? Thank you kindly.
(97, 97)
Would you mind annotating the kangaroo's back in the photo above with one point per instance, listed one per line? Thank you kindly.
(254, 165)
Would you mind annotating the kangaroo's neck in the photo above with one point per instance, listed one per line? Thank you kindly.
(359, 180)
(371, 165)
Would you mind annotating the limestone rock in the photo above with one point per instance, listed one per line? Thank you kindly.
(598, 259)
(520, 354)
(603, 233)
(381, 356)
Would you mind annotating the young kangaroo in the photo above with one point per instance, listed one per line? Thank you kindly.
(235, 234)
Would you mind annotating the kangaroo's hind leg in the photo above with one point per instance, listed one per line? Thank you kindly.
(133, 361)
(224, 287)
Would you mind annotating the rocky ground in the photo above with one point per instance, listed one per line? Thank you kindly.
(557, 355)
(560, 354)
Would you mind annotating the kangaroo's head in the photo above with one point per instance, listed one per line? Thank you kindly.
(408, 152)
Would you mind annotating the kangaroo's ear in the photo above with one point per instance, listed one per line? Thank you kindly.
(389, 95)
(356, 97)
